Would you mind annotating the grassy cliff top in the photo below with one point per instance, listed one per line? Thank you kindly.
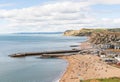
(88, 32)
(115, 79)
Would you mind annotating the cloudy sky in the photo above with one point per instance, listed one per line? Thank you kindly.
(57, 15)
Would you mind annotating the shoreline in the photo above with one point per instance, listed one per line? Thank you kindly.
(94, 70)
(84, 67)
(62, 72)
(65, 70)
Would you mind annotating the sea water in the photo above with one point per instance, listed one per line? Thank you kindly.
(33, 69)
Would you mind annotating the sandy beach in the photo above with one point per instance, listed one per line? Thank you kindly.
(87, 67)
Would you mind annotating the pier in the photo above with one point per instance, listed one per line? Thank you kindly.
(53, 55)
(45, 54)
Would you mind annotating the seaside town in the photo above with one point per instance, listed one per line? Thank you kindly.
(103, 44)
(59, 40)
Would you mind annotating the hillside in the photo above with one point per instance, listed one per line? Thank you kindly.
(114, 30)
(104, 37)
(88, 32)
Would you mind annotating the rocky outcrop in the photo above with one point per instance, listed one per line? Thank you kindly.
(71, 32)
(104, 37)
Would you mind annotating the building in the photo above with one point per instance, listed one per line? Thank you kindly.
(111, 45)
(117, 45)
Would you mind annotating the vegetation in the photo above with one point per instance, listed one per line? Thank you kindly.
(115, 79)
(88, 32)
(104, 37)
(114, 30)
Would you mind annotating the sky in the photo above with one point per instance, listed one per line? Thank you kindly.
(57, 15)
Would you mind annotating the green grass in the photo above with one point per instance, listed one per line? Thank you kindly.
(115, 79)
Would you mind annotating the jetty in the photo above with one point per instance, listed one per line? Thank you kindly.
(53, 55)
(44, 53)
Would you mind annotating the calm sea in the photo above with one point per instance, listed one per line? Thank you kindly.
(33, 69)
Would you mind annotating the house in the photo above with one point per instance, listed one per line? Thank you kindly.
(102, 56)
(110, 60)
(117, 57)
(105, 46)
(111, 45)
(117, 45)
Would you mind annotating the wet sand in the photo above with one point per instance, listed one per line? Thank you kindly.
(87, 67)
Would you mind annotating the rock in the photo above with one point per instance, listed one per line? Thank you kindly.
(104, 37)
(74, 46)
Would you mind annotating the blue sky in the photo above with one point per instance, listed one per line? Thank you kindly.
(15, 4)
(110, 11)
(57, 15)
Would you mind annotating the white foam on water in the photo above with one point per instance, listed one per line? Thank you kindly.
(62, 73)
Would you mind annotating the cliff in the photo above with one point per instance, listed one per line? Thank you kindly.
(88, 32)
(104, 37)
(71, 33)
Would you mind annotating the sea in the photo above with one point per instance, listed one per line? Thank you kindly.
(33, 69)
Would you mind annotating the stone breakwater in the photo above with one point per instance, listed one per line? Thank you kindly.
(45, 54)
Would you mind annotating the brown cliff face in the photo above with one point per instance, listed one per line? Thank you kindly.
(97, 36)
(71, 32)
(104, 37)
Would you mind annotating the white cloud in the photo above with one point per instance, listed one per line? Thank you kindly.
(58, 16)
(110, 2)
(47, 16)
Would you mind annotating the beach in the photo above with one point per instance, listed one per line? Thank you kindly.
(83, 67)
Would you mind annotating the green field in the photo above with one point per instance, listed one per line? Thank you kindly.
(104, 80)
